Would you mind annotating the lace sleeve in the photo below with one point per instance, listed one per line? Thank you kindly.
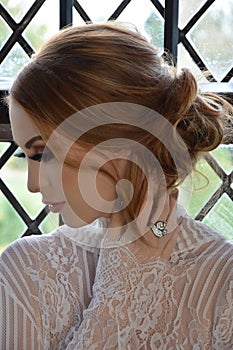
(19, 315)
(45, 284)
(223, 327)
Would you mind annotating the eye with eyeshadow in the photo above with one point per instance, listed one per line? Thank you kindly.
(44, 156)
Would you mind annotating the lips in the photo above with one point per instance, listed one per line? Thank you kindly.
(55, 207)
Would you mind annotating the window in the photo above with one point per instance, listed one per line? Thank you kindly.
(199, 36)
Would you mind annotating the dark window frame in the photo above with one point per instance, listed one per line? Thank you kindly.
(172, 37)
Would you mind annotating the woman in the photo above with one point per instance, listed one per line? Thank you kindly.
(109, 131)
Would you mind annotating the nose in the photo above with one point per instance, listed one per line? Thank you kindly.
(33, 177)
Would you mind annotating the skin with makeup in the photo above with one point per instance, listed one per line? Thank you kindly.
(109, 130)
(46, 181)
(65, 197)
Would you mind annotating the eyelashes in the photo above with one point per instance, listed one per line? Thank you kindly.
(38, 157)
(20, 155)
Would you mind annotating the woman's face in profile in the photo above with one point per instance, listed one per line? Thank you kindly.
(57, 182)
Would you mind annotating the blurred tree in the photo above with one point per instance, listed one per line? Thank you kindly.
(211, 36)
(154, 27)
(34, 34)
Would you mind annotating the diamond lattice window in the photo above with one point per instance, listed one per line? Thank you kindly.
(203, 40)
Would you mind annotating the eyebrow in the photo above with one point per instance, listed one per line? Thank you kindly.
(29, 143)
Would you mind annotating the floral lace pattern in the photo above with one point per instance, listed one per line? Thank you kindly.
(68, 295)
(162, 304)
(47, 283)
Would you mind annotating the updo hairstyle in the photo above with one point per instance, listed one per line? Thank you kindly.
(101, 63)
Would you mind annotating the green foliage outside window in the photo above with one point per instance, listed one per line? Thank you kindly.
(214, 29)
(220, 218)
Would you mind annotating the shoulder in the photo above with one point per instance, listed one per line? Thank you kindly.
(208, 248)
(22, 255)
(31, 250)
(200, 233)
(25, 247)
(30, 262)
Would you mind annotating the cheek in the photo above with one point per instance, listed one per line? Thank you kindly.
(70, 181)
(88, 189)
(79, 190)
(76, 186)
(70, 187)
(80, 201)
(51, 172)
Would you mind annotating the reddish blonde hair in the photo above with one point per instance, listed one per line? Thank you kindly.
(98, 63)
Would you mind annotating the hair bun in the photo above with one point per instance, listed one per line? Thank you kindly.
(186, 90)
(180, 95)
(198, 117)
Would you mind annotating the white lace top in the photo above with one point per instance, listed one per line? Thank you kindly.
(47, 299)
